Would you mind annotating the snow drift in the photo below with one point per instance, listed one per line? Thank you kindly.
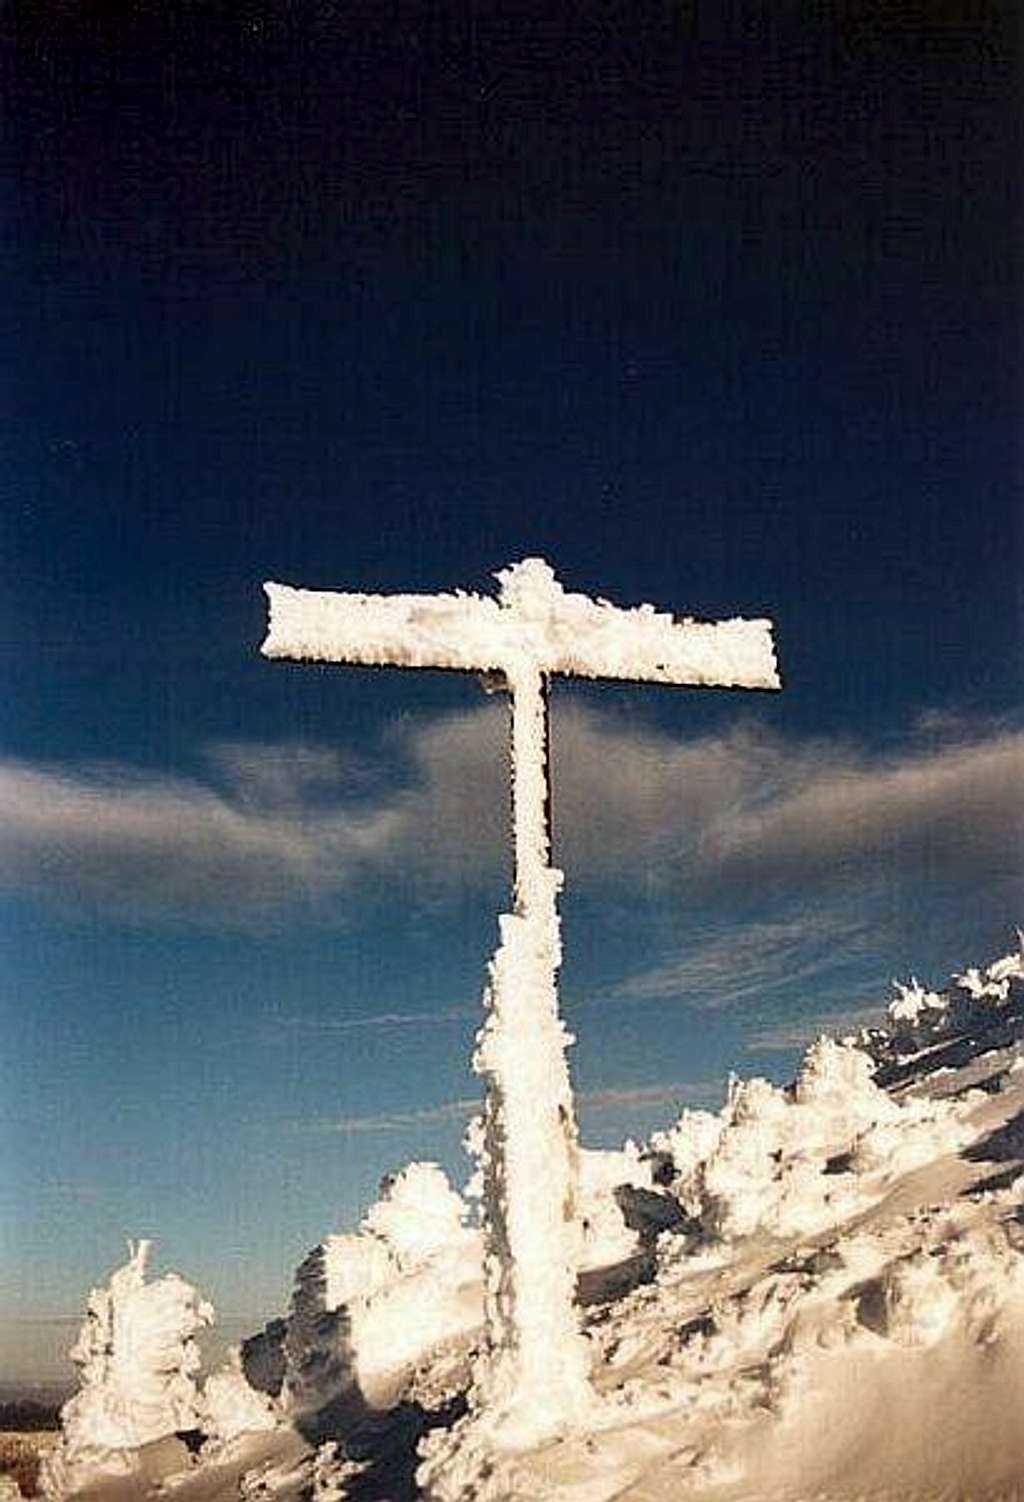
(817, 1292)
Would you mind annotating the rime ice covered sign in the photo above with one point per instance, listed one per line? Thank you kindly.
(532, 1381)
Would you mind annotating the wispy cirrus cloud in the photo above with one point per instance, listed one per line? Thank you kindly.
(662, 1093)
(604, 1098)
(798, 1032)
(390, 1121)
(288, 774)
(376, 1020)
(723, 967)
(962, 803)
(265, 831)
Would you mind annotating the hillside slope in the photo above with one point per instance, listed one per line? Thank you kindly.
(817, 1293)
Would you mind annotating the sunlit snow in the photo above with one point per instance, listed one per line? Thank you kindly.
(816, 1292)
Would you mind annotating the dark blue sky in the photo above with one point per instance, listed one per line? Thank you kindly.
(710, 310)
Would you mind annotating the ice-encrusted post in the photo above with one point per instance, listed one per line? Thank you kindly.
(532, 1380)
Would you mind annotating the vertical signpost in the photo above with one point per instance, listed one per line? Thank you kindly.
(532, 1382)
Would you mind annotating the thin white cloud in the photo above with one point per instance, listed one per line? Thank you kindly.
(733, 810)
(798, 1032)
(958, 809)
(382, 1020)
(272, 828)
(676, 1092)
(391, 1121)
(80, 1193)
(454, 812)
(723, 968)
(601, 1099)
(287, 775)
(112, 840)
(52, 1321)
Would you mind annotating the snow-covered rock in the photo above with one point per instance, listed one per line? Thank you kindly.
(771, 1160)
(607, 1237)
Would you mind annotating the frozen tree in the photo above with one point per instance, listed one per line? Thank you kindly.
(369, 1304)
(232, 1406)
(137, 1356)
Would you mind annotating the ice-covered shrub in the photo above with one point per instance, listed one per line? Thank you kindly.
(231, 1406)
(779, 1161)
(137, 1356)
(367, 1305)
(607, 1239)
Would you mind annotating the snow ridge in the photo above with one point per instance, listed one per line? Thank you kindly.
(817, 1291)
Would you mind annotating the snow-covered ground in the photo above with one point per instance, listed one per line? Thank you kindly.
(816, 1295)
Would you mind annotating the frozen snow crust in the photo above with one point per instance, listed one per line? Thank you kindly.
(814, 1295)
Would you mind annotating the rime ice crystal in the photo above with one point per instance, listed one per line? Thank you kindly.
(369, 1305)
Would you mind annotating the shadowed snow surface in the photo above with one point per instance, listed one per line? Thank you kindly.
(816, 1295)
